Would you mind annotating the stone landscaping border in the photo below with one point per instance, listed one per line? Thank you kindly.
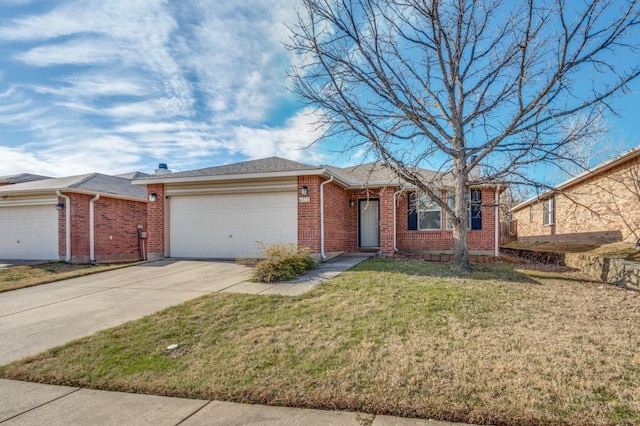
(620, 272)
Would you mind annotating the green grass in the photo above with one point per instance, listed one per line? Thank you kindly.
(408, 338)
(17, 277)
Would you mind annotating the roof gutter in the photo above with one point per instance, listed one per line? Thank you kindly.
(395, 202)
(322, 255)
(496, 245)
(67, 225)
(92, 228)
(171, 178)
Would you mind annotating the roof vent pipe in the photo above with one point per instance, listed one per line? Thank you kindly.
(162, 169)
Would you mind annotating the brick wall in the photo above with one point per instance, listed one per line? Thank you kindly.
(309, 214)
(156, 222)
(478, 240)
(115, 227)
(603, 208)
(340, 219)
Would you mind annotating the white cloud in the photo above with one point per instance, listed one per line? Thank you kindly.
(134, 82)
(291, 141)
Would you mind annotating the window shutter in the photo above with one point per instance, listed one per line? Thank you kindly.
(413, 212)
(476, 209)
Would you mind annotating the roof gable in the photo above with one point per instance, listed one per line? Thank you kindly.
(93, 183)
(22, 178)
(265, 165)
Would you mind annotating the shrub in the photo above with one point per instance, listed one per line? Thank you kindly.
(282, 262)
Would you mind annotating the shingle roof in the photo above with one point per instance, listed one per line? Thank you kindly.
(21, 178)
(133, 175)
(379, 174)
(265, 165)
(92, 183)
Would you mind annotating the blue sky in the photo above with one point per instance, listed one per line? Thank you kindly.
(121, 85)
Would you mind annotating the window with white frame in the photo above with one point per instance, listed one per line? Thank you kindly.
(548, 211)
(429, 214)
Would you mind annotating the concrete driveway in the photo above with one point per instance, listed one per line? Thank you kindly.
(38, 318)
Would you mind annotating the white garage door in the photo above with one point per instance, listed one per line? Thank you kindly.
(228, 225)
(29, 232)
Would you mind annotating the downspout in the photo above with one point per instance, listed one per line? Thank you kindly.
(496, 246)
(92, 239)
(322, 255)
(67, 212)
(395, 195)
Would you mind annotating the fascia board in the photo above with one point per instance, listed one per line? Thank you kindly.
(239, 176)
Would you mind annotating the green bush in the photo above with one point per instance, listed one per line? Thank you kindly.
(282, 262)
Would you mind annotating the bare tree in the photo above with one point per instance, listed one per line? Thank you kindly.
(596, 147)
(452, 84)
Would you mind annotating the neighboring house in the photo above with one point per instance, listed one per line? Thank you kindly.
(20, 178)
(601, 205)
(222, 212)
(78, 219)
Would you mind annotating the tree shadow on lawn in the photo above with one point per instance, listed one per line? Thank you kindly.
(498, 271)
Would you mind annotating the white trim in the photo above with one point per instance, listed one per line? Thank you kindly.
(32, 201)
(496, 248)
(168, 179)
(395, 236)
(232, 188)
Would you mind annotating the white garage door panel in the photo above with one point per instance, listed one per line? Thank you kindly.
(228, 225)
(29, 232)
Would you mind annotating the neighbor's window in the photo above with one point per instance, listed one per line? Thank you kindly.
(531, 213)
(429, 213)
(548, 211)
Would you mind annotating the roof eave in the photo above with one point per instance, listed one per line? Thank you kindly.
(237, 176)
(52, 191)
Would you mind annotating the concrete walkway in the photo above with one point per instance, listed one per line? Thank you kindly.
(36, 404)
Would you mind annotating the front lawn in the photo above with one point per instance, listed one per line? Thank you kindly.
(497, 346)
(17, 277)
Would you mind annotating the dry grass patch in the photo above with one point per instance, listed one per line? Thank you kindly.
(407, 338)
(17, 277)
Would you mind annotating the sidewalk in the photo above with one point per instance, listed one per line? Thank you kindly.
(37, 404)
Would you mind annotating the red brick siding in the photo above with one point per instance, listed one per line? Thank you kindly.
(116, 229)
(115, 221)
(155, 218)
(478, 240)
(309, 214)
(339, 219)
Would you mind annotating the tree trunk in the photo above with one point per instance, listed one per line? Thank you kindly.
(461, 224)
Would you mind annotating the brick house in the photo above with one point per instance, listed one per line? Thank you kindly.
(601, 205)
(223, 211)
(83, 218)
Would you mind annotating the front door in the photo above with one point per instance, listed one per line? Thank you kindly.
(368, 220)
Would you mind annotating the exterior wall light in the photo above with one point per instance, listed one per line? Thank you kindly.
(153, 197)
(304, 191)
(60, 206)
(352, 203)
